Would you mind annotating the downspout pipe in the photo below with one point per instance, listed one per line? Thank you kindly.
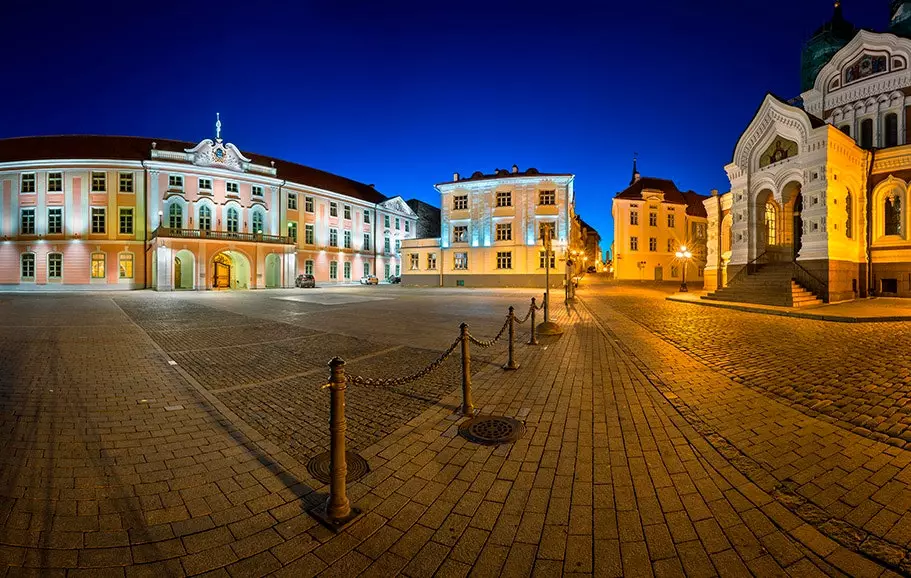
(869, 235)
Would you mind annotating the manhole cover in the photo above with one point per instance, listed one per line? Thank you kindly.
(318, 466)
(492, 430)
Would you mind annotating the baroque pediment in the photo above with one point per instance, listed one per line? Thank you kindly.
(398, 205)
(209, 153)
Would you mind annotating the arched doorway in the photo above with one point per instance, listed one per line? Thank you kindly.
(183, 269)
(792, 202)
(273, 271)
(230, 270)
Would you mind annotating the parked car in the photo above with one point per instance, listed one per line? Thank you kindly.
(306, 281)
(395, 279)
(370, 280)
(591, 269)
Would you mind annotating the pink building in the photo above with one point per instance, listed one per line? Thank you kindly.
(105, 212)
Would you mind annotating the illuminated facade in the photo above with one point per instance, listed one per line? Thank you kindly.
(99, 212)
(652, 221)
(491, 231)
(822, 189)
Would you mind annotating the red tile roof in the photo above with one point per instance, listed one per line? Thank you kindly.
(139, 149)
(672, 194)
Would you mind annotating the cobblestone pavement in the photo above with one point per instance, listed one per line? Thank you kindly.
(119, 462)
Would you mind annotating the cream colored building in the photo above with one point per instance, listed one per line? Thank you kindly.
(652, 221)
(491, 231)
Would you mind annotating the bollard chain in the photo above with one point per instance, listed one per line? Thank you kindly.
(393, 382)
(490, 342)
(527, 315)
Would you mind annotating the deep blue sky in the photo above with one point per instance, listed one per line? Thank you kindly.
(402, 94)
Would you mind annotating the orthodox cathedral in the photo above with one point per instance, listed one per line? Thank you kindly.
(818, 206)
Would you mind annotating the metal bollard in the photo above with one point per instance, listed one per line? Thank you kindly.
(533, 340)
(511, 363)
(467, 406)
(337, 512)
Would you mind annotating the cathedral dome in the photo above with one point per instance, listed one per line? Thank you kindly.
(822, 46)
(901, 18)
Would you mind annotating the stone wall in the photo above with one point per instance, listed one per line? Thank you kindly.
(900, 272)
(428, 219)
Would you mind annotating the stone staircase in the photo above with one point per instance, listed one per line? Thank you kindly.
(772, 284)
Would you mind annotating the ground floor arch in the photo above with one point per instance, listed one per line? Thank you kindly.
(184, 270)
(273, 270)
(230, 270)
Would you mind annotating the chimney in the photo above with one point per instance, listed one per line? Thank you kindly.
(515, 169)
(455, 177)
(714, 192)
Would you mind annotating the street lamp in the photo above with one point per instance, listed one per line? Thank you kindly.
(548, 327)
(683, 255)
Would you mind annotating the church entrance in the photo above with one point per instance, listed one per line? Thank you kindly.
(779, 226)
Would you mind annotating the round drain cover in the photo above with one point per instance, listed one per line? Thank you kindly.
(492, 430)
(319, 467)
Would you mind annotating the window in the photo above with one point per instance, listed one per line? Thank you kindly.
(292, 201)
(849, 221)
(205, 184)
(54, 265)
(386, 270)
(891, 130)
(205, 218)
(292, 231)
(504, 231)
(333, 209)
(366, 269)
(99, 220)
(333, 237)
(175, 182)
(547, 198)
(652, 219)
(366, 217)
(27, 222)
(99, 184)
(346, 239)
(542, 256)
(386, 248)
(175, 216)
(431, 260)
(671, 220)
(27, 183)
(634, 243)
(257, 190)
(893, 215)
(460, 234)
(674, 271)
(308, 204)
(398, 224)
(258, 223)
(308, 234)
(126, 182)
(460, 261)
(98, 267)
(333, 269)
(346, 212)
(770, 223)
(54, 220)
(54, 182)
(407, 226)
(544, 228)
(460, 202)
(386, 221)
(634, 218)
(308, 267)
(652, 244)
(398, 245)
(504, 259)
(126, 220)
(233, 220)
(366, 241)
(398, 269)
(700, 271)
(126, 265)
(27, 266)
(234, 189)
(866, 133)
(671, 246)
(504, 198)
(415, 259)
(347, 270)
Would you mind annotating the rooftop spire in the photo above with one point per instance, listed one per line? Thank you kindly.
(635, 170)
(217, 126)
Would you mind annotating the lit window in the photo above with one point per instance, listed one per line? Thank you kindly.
(27, 222)
(233, 220)
(460, 203)
(257, 190)
(460, 234)
(27, 266)
(292, 201)
(366, 217)
(308, 204)
(54, 265)
(126, 182)
(634, 243)
(308, 234)
(333, 237)
(547, 198)
(652, 219)
(99, 220)
(893, 215)
(27, 183)
(415, 259)
(205, 218)
(347, 212)
(333, 209)
(634, 218)
(55, 220)
(671, 247)
(175, 216)
(545, 228)
(175, 182)
(542, 257)
(366, 242)
(292, 232)
(308, 267)
(770, 218)
(347, 270)
(504, 198)
(333, 269)
(126, 265)
(258, 223)
(652, 244)
(670, 220)
(54, 182)
(504, 231)
(849, 213)
(346, 239)
(98, 267)
(205, 184)
(504, 259)
(99, 182)
(232, 188)
(460, 261)
(126, 220)
(431, 260)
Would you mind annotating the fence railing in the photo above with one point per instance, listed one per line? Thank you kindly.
(752, 267)
(809, 281)
(219, 235)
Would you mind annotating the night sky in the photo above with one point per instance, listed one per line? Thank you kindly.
(402, 94)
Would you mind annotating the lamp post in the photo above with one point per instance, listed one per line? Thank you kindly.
(548, 327)
(683, 255)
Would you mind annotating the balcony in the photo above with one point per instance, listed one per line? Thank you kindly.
(220, 236)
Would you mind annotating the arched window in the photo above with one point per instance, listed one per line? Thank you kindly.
(891, 123)
(849, 211)
(770, 216)
(257, 222)
(175, 216)
(232, 220)
(27, 266)
(205, 218)
(866, 134)
(893, 215)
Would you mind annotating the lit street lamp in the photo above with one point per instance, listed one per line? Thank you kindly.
(683, 255)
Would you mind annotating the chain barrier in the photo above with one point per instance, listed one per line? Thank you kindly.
(490, 342)
(385, 382)
(527, 315)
